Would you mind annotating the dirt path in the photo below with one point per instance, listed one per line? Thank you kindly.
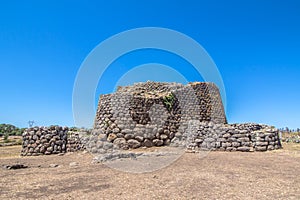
(220, 175)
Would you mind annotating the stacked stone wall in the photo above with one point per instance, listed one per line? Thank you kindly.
(232, 137)
(50, 140)
(156, 114)
(151, 113)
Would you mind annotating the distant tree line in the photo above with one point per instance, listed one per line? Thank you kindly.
(287, 130)
(8, 129)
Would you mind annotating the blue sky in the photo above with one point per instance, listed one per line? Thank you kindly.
(255, 45)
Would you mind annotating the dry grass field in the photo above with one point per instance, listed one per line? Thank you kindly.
(219, 175)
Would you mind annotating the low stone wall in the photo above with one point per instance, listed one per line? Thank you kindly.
(49, 140)
(197, 137)
(76, 141)
(231, 137)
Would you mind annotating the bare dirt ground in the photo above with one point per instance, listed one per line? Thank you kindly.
(219, 175)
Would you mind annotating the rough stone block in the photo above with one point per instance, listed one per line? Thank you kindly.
(244, 149)
(260, 148)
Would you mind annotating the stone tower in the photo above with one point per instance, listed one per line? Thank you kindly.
(152, 113)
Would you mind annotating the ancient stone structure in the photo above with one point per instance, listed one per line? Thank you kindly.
(50, 140)
(156, 114)
(231, 137)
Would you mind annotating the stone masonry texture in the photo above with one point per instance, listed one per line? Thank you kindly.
(156, 114)
(50, 140)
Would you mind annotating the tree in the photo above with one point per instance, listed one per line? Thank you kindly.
(8, 129)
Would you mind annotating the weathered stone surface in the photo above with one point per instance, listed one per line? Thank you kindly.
(101, 137)
(111, 137)
(133, 144)
(198, 140)
(261, 143)
(227, 135)
(229, 148)
(121, 143)
(243, 139)
(126, 131)
(158, 142)
(129, 136)
(147, 143)
(270, 147)
(163, 137)
(107, 145)
(139, 138)
(116, 130)
(238, 135)
(167, 141)
(261, 148)
(235, 144)
(244, 149)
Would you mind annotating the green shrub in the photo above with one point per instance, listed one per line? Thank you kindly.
(169, 101)
(11, 129)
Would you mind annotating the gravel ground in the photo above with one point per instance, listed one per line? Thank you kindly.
(219, 175)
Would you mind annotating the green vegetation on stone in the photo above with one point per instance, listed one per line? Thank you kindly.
(169, 101)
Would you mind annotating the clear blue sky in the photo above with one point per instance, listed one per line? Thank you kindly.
(255, 44)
